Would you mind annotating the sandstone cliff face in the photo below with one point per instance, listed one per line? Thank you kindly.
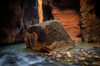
(90, 20)
(15, 17)
(67, 13)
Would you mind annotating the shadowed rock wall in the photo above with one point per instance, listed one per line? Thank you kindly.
(90, 20)
(15, 17)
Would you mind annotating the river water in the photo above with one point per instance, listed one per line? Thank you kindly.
(18, 55)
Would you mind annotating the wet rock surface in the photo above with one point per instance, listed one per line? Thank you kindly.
(48, 36)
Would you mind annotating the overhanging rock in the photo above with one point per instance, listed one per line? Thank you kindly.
(48, 36)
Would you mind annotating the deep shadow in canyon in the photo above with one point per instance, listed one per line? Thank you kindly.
(15, 17)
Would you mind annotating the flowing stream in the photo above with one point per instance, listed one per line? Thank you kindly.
(18, 55)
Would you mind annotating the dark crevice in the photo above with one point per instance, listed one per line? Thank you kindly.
(47, 13)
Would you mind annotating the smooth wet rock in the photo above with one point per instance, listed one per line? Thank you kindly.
(89, 56)
(97, 63)
(68, 54)
(48, 36)
(81, 58)
(50, 54)
(76, 56)
(84, 52)
(58, 55)
(81, 50)
(69, 60)
(85, 63)
(51, 61)
(97, 57)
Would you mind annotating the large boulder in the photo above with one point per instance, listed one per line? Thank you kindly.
(48, 36)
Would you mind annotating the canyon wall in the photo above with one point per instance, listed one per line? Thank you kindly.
(81, 18)
(67, 12)
(90, 20)
(15, 18)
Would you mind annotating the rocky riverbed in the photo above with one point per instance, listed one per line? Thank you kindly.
(77, 57)
(82, 55)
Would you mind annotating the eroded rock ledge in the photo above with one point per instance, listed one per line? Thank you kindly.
(48, 36)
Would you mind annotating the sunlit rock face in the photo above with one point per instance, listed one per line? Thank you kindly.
(48, 36)
(90, 20)
(15, 18)
(67, 12)
(40, 10)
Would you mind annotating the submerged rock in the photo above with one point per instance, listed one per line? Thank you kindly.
(48, 36)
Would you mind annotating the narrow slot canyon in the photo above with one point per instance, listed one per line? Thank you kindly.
(49, 33)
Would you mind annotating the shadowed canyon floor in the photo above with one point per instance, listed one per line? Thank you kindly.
(17, 55)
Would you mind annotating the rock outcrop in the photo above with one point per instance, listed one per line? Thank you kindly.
(90, 20)
(48, 36)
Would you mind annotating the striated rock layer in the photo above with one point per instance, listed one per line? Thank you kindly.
(48, 36)
(90, 20)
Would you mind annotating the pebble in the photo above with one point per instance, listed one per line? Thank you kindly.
(97, 57)
(89, 52)
(81, 58)
(42, 54)
(89, 56)
(58, 56)
(84, 52)
(45, 53)
(51, 61)
(96, 63)
(50, 54)
(85, 63)
(81, 50)
(69, 60)
(76, 56)
(72, 52)
(68, 54)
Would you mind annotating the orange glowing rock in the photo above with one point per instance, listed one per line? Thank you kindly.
(40, 11)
